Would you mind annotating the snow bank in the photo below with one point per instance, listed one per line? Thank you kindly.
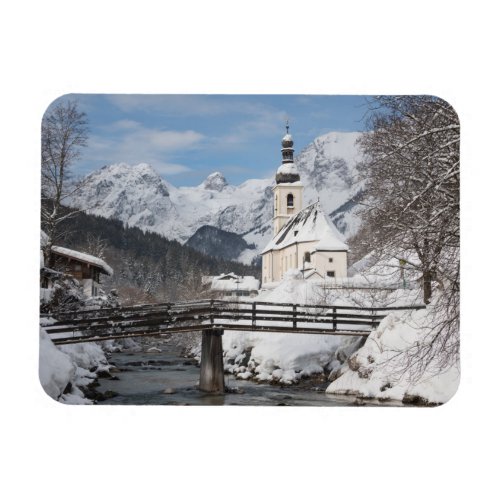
(63, 371)
(56, 370)
(283, 357)
(375, 370)
(278, 357)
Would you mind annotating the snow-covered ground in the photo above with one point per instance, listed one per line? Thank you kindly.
(65, 370)
(377, 369)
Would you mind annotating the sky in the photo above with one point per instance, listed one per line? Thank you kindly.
(187, 137)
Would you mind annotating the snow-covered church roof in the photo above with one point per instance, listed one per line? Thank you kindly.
(311, 224)
(288, 169)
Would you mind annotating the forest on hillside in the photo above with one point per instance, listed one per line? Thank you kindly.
(147, 266)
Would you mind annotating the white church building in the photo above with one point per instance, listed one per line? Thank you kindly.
(304, 238)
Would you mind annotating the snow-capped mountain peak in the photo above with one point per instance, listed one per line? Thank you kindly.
(215, 182)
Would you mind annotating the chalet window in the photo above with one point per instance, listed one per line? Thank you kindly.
(289, 200)
(78, 267)
(330, 274)
(307, 257)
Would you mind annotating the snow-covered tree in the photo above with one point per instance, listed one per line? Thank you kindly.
(411, 175)
(64, 134)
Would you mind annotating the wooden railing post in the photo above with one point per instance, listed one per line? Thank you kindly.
(294, 322)
(212, 363)
(334, 318)
(254, 318)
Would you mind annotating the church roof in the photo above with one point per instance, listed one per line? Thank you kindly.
(288, 168)
(311, 224)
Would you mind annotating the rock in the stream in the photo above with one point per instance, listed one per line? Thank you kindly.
(169, 390)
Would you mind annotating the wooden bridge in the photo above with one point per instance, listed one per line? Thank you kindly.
(212, 317)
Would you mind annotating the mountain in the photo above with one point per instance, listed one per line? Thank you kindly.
(138, 196)
(135, 195)
(216, 242)
(215, 182)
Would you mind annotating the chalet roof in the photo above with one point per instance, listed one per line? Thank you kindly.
(311, 224)
(83, 257)
(233, 282)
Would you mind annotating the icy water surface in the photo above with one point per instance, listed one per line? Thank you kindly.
(144, 377)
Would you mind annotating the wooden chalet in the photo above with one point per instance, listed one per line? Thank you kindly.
(84, 267)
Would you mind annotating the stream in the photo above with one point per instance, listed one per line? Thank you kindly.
(167, 378)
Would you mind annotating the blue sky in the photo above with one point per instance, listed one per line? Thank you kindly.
(186, 137)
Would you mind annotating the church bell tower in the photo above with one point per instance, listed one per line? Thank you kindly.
(288, 189)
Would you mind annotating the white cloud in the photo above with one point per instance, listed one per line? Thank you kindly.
(169, 168)
(129, 141)
(168, 140)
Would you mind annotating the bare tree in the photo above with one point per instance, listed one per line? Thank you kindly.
(64, 134)
(96, 245)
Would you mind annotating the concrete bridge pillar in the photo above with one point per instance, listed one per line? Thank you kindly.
(212, 365)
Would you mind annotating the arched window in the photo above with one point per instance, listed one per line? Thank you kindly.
(289, 200)
(307, 257)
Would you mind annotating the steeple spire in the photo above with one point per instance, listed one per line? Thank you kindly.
(287, 172)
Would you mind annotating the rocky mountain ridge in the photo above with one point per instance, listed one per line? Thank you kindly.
(138, 196)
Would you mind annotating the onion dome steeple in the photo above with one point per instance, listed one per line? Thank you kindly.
(287, 172)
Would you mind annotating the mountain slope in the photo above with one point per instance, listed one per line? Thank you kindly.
(216, 242)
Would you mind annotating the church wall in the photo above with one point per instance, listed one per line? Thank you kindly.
(338, 264)
(278, 262)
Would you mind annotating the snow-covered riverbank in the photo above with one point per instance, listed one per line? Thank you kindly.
(375, 369)
(67, 372)
(64, 371)
(387, 367)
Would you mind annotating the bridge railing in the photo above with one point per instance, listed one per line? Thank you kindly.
(156, 319)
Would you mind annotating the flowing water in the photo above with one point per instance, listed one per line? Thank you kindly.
(167, 378)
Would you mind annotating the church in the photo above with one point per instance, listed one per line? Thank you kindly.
(304, 238)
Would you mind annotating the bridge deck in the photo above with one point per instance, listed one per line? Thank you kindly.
(148, 320)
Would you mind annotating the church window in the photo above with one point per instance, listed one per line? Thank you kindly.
(330, 274)
(330, 260)
(307, 257)
(289, 200)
